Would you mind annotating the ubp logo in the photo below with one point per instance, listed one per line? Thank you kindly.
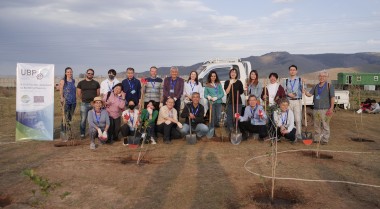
(39, 74)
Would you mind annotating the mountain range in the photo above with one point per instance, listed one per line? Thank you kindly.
(280, 61)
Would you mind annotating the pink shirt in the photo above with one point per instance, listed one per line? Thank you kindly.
(114, 105)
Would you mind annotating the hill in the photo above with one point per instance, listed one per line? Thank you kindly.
(280, 61)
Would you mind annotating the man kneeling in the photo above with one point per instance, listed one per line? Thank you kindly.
(254, 119)
(194, 111)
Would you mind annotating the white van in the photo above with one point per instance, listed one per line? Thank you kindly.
(222, 67)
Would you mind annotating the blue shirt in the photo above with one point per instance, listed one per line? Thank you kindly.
(293, 86)
(252, 114)
(69, 92)
(132, 89)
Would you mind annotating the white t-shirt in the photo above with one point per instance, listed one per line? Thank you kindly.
(272, 91)
(190, 88)
(107, 85)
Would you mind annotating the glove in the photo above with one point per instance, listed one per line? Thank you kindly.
(99, 133)
(214, 99)
(232, 81)
(126, 117)
(246, 98)
(209, 97)
(179, 125)
(175, 99)
(104, 135)
(161, 105)
(237, 115)
(150, 111)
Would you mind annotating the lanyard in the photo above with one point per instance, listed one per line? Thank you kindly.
(196, 110)
(131, 86)
(253, 111)
(192, 87)
(292, 84)
(153, 83)
(321, 89)
(97, 118)
(172, 83)
(109, 87)
(284, 119)
(131, 117)
(215, 88)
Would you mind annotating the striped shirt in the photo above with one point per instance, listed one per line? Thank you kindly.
(153, 89)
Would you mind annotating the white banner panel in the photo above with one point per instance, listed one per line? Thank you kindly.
(34, 101)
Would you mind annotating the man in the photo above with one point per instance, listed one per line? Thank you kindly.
(167, 122)
(293, 91)
(254, 119)
(173, 88)
(194, 111)
(284, 121)
(324, 99)
(132, 87)
(87, 90)
(107, 85)
(153, 89)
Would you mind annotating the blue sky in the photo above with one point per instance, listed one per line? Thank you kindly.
(138, 33)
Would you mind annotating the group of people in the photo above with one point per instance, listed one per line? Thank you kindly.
(154, 104)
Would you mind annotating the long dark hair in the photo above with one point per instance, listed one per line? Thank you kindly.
(65, 77)
(196, 78)
(256, 80)
(209, 77)
(236, 71)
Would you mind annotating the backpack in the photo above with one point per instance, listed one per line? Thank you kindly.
(299, 82)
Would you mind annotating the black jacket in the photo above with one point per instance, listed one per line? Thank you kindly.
(199, 113)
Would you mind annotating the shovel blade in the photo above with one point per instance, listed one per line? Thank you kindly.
(236, 138)
(191, 138)
(210, 133)
(64, 137)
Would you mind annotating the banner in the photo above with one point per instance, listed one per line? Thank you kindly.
(34, 101)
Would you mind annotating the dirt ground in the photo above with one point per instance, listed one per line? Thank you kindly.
(206, 175)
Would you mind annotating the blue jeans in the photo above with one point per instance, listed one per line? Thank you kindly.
(84, 108)
(230, 115)
(69, 110)
(201, 129)
(216, 110)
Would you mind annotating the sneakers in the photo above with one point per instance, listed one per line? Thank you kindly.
(92, 146)
(152, 140)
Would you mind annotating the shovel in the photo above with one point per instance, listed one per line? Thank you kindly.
(190, 138)
(210, 133)
(237, 136)
(63, 135)
(307, 137)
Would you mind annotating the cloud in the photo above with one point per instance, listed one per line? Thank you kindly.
(282, 12)
(283, 1)
(373, 42)
(172, 24)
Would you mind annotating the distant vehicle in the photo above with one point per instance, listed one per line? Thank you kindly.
(222, 67)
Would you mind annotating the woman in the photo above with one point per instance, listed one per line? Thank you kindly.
(130, 118)
(67, 91)
(192, 85)
(167, 122)
(232, 87)
(115, 102)
(98, 121)
(273, 91)
(148, 119)
(214, 94)
(284, 120)
(254, 86)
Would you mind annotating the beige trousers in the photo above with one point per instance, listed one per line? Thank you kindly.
(321, 125)
(296, 107)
